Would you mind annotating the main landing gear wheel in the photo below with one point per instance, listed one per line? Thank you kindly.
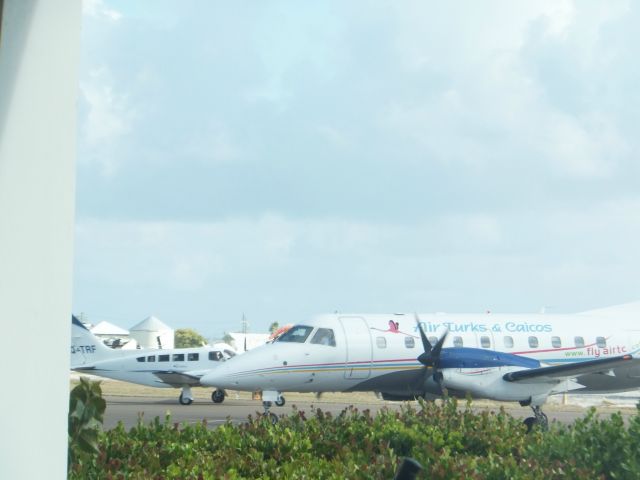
(529, 422)
(540, 420)
(217, 396)
(184, 400)
(280, 402)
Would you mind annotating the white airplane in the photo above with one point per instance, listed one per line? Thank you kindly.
(170, 368)
(524, 358)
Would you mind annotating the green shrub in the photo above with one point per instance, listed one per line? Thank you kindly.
(86, 413)
(449, 441)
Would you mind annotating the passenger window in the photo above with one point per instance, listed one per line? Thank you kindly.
(433, 340)
(579, 342)
(163, 358)
(193, 357)
(178, 357)
(457, 342)
(215, 356)
(533, 342)
(324, 336)
(485, 342)
(381, 342)
(601, 342)
(151, 358)
(296, 334)
(141, 359)
(556, 342)
(508, 341)
(409, 342)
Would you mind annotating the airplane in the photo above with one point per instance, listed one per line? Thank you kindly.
(166, 368)
(523, 357)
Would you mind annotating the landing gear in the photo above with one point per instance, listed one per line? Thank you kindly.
(186, 397)
(540, 419)
(280, 401)
(272, 417)
(217, 396)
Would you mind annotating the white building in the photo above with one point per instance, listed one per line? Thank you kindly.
(152, 333)
(112, 335)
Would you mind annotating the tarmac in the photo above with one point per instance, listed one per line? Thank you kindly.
(130, 409)
(128, 402)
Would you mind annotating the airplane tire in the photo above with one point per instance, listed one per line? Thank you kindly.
(184, 400)
(280, 402)
(530, 422)
(217, 396)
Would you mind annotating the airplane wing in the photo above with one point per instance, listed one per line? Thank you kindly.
(177, 379)
(560, 372)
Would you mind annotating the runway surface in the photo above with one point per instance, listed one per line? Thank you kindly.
(129, 409)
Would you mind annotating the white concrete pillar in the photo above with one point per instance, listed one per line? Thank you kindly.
(39, 52)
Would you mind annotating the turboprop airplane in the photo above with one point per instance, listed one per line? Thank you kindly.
(523, 358)
(170, 368)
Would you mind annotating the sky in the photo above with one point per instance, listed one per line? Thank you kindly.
(280, 159)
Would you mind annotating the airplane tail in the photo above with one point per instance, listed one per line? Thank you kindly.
(86, 348)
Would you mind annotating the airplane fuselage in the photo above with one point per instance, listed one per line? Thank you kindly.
(147, 367)
(379, 353)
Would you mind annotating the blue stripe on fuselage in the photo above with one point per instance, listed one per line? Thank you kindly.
(464, 357)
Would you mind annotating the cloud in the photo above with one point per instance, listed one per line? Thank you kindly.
(212, 144)
(289, 160)
(108, 117)
(97, 9)
(583, 147)
(282, 269)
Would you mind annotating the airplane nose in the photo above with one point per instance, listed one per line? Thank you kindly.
(214, 379)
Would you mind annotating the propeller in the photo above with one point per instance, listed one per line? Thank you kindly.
(431, 355)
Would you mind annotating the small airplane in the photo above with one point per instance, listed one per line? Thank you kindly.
(524, 358)
(170, 368)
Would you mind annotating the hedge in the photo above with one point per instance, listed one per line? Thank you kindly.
(449, 441)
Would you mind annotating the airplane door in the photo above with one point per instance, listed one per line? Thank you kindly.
(358, 338)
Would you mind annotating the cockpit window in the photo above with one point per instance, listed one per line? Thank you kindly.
(216, 356)
(296, 334)
(324, 336)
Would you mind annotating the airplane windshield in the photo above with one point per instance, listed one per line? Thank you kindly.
(296, 334)
(324, 336)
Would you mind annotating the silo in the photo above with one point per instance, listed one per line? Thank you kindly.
(152, 333)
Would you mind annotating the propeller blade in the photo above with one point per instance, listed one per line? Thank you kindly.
(435, 352)
(425, 341)
(431, 355)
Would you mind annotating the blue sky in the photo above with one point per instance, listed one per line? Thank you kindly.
(283, 159)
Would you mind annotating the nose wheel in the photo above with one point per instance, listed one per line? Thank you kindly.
(272, 417)
(280, 401)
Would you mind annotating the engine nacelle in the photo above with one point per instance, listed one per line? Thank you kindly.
(488, 383)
